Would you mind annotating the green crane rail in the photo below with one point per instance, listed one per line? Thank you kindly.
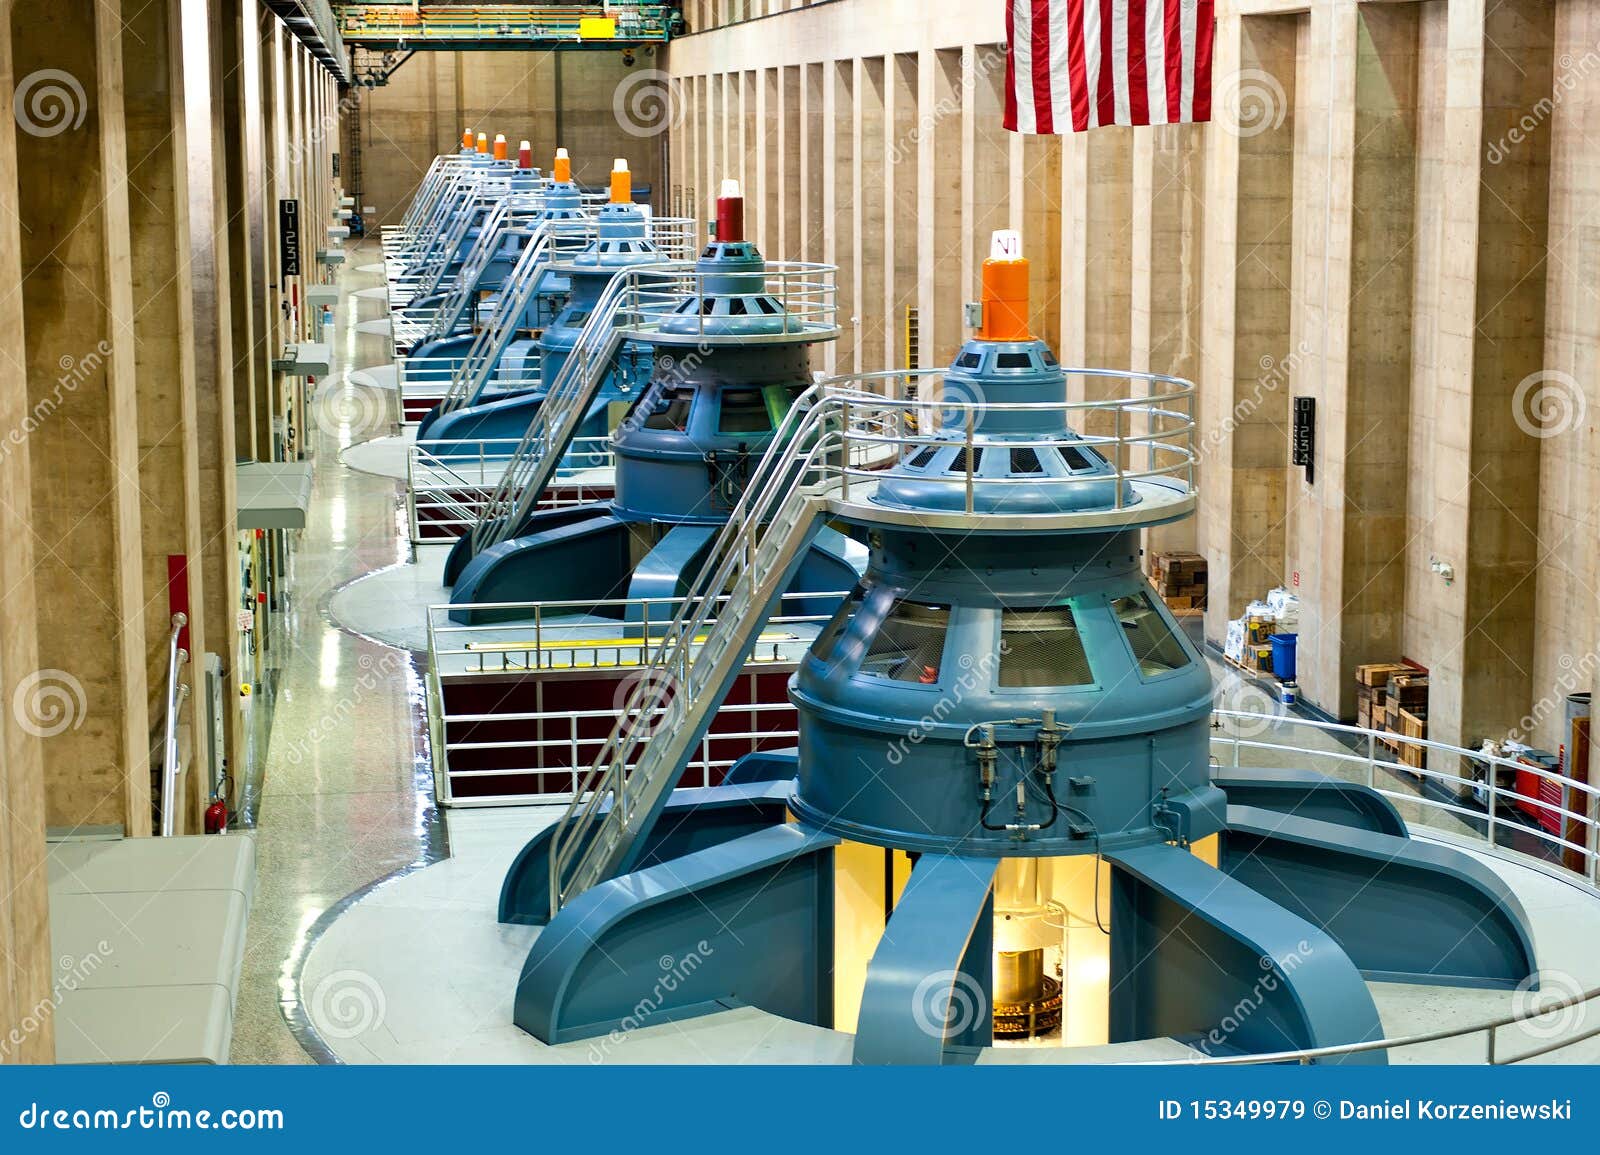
(507, 26)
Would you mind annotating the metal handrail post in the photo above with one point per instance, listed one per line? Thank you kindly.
(176, 657)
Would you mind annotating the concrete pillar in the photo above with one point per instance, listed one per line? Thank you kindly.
(943, 171)
(25, 980)
(748, 131)
(1166, 247)
(165, 331)
(80, 345)
(226, 220)
(1035, 180)
(872, 341)
(237, 85)
(791, 235)
(902, 235)
(716, 152)
(841, 196)
(768, 144)
(682, 145)
(812, 171)
(1248, 370)
(1349, 552)
(1094, 303)
(1567, 628)
(988, 188)
(1489, 349)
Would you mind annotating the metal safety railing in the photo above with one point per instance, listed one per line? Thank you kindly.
(1459, 777)
(432, 376)
(429, 189)
(549, 639)
(566, 403)
(511, 217)
(456, 183)
(552, 247)
(478, 207)
(448, 483)
(639, 302)
(377, 24)
(560, 635)
(684, 302)
(1549, 1022)
(415, 261)
(177, 693)
(483, 358)
(1148, 438)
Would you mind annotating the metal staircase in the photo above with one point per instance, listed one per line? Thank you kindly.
(413, 232)
(536, 457)
(454, 306)
(676, 696)
(430, 254)
(490, 343)
(486, 192)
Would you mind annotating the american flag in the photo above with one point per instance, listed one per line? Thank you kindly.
(1073, 65)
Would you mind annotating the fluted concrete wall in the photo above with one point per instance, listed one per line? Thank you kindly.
(129, 176)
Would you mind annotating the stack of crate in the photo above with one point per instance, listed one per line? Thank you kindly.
(1180, 579)
(1371, 680)
(1392, 698)
(1406, 710)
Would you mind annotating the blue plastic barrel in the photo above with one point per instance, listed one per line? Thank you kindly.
(1283, 647)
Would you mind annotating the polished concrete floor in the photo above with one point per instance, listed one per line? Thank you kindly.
(344, 797)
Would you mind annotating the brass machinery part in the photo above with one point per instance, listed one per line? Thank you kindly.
(1031, 1019)
(1027, 1002)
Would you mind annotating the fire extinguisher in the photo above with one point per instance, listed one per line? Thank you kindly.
(217, 816)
